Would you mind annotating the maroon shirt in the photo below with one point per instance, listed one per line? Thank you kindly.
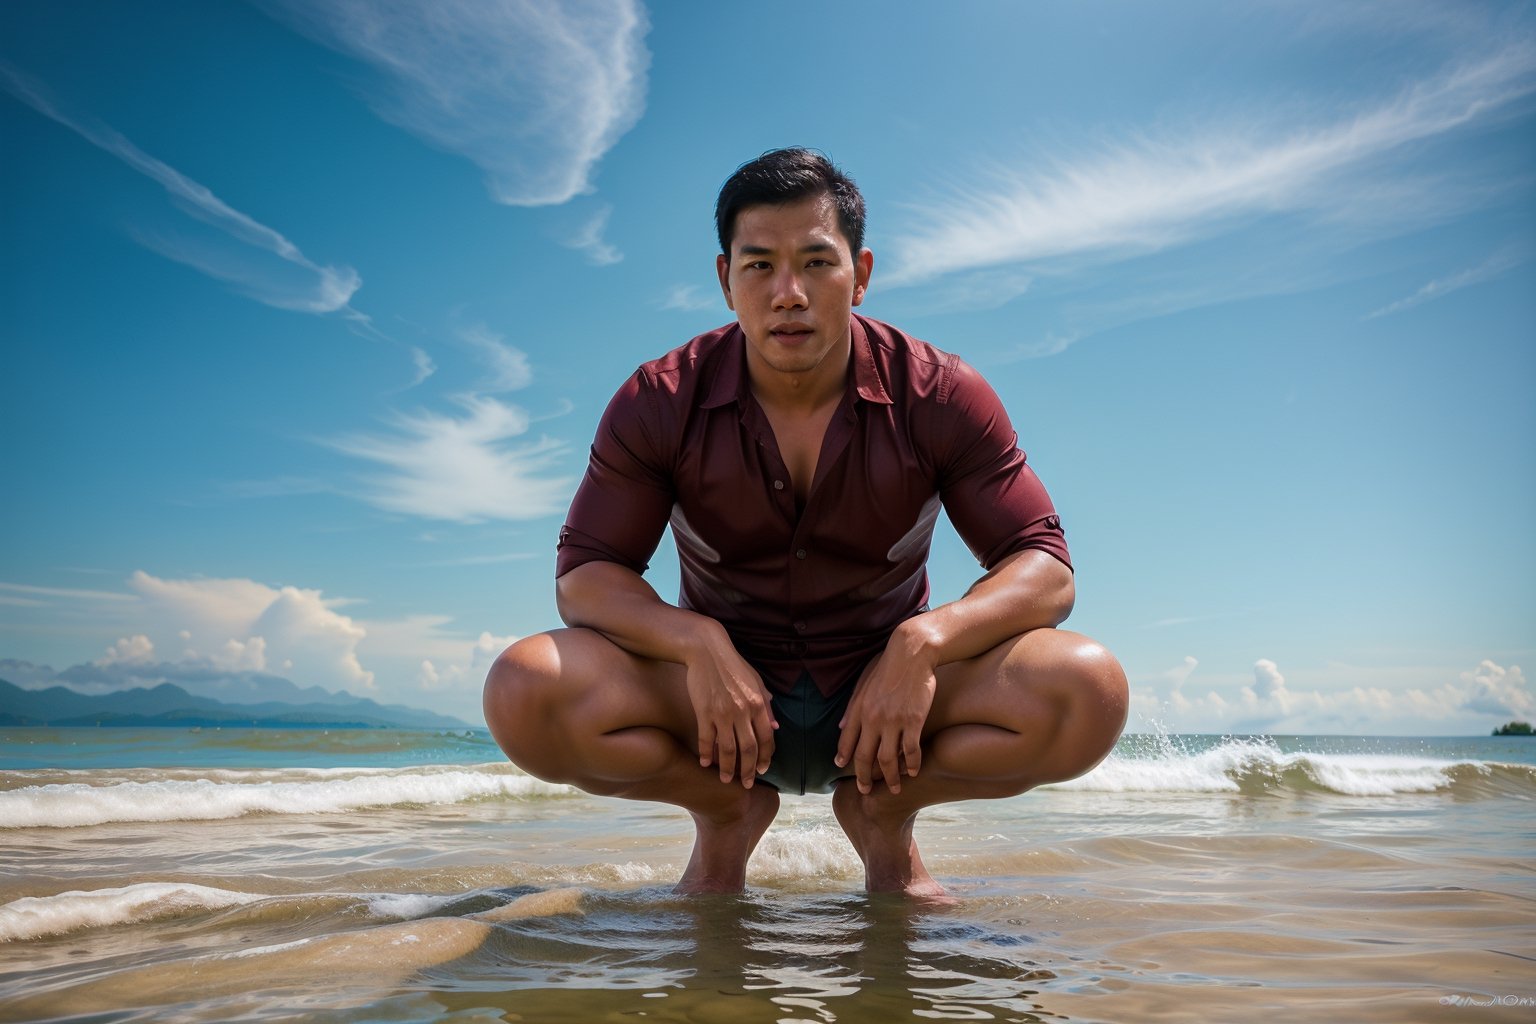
(820, 589)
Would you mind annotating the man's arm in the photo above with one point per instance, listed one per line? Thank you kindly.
(883, 727)
(728, 696)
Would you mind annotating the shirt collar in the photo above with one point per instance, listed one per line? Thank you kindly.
(730, 379)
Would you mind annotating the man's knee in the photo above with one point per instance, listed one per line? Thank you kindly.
(518, 691)
(1098, 680)
(1089, 690)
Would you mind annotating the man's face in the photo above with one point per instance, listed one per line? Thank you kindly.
(792, 282)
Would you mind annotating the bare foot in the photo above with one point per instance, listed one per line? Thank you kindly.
(723, 842)
(882, 837)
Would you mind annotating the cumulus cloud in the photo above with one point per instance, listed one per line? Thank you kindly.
(27, 675)
(131, 650)
(440, 659)
(219, 241)
(247, 641)
(1268, 683)
(1380, 700)
(534, 92)
(244, 625)
(1492, 689)
(468, 670)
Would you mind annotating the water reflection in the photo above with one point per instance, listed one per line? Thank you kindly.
(762, 957)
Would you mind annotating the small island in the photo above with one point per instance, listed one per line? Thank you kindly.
(1513, 729)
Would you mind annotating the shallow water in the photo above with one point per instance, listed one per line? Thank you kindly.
(372, 877)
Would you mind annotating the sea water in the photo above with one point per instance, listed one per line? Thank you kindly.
(375, 875)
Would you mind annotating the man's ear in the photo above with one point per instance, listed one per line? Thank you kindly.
(723, 269)
(863, 266)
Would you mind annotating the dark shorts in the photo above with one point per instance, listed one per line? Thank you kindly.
(806, 740)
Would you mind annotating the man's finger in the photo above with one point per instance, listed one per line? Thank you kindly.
(746, 754)
(912, 751)
(726, 746)
(763, 726)
(706, 742)
(889, 769)
(847, 742)
(864, 762)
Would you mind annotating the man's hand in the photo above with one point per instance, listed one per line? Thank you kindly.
(883, 726)
(731, 705)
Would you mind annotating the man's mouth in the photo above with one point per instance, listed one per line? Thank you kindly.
(789, 332)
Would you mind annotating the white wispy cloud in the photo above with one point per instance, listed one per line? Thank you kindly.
(1499, 263)
(1167, 189)
(692, 298)
(463, 468)
(508, 366)
(470, 561)
(425, 367)
(588, 239)
(534, 93)
(293, 281)
(33, 592)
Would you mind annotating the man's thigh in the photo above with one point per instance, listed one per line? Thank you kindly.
(1061, 690)
(582, 681)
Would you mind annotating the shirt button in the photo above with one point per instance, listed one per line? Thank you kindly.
(778, 485)
(800, 553)
(799, 627)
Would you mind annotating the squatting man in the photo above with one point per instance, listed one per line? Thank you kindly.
(800, 456)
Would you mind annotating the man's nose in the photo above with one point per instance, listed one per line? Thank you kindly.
(789, 291)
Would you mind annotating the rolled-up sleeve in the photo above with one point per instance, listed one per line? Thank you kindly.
(995, 501)
(624, 501)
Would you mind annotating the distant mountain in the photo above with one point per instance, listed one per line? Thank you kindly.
(198, 680)
(171, 705)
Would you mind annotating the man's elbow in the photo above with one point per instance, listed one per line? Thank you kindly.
(1064, 598)
(567, 597)
(1061, 594)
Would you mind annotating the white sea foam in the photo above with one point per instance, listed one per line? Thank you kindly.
(33, 917)
(71, 804)
(1373, 775)
(405, 906)
(1249, 765)
(240, 954)
(797, 853)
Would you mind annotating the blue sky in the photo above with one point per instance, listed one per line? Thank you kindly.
(309, 310)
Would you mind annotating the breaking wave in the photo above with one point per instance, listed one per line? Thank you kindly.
(145, 795)
(1257, 767)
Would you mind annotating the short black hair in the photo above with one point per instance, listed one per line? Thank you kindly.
(782, 176)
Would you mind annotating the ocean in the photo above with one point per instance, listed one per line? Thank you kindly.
(389, 876)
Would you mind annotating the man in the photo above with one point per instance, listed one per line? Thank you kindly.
(800, 456)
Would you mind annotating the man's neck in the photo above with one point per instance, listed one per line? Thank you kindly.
(802, 393)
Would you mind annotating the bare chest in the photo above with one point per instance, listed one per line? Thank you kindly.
(800, 438)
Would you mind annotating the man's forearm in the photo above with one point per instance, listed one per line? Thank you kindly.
(618, 603)
(1027, 590)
